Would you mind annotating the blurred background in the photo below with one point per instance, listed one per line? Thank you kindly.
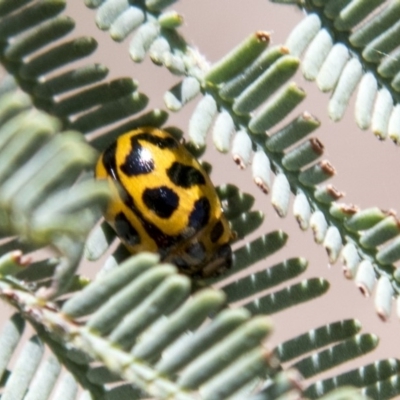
(367, 170)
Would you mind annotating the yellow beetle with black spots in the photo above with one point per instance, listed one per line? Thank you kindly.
(165, 202)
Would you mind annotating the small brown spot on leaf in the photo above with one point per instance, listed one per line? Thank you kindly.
(349, 209)
(363, 289)
(317, 146)
(284, 50)
(239, 161)
(327, 167)
(260, 183)
(333, 192)
(263, 36)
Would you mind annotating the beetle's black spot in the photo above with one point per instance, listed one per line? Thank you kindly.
(139, 161)
(125, 230)
(185, 175)
(164, 241)
(162, 200)
(197, 251)
(200, 214)
(161, 142)
(216, 231)
(109, 161)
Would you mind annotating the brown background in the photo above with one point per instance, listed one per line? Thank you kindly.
(367, 169)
